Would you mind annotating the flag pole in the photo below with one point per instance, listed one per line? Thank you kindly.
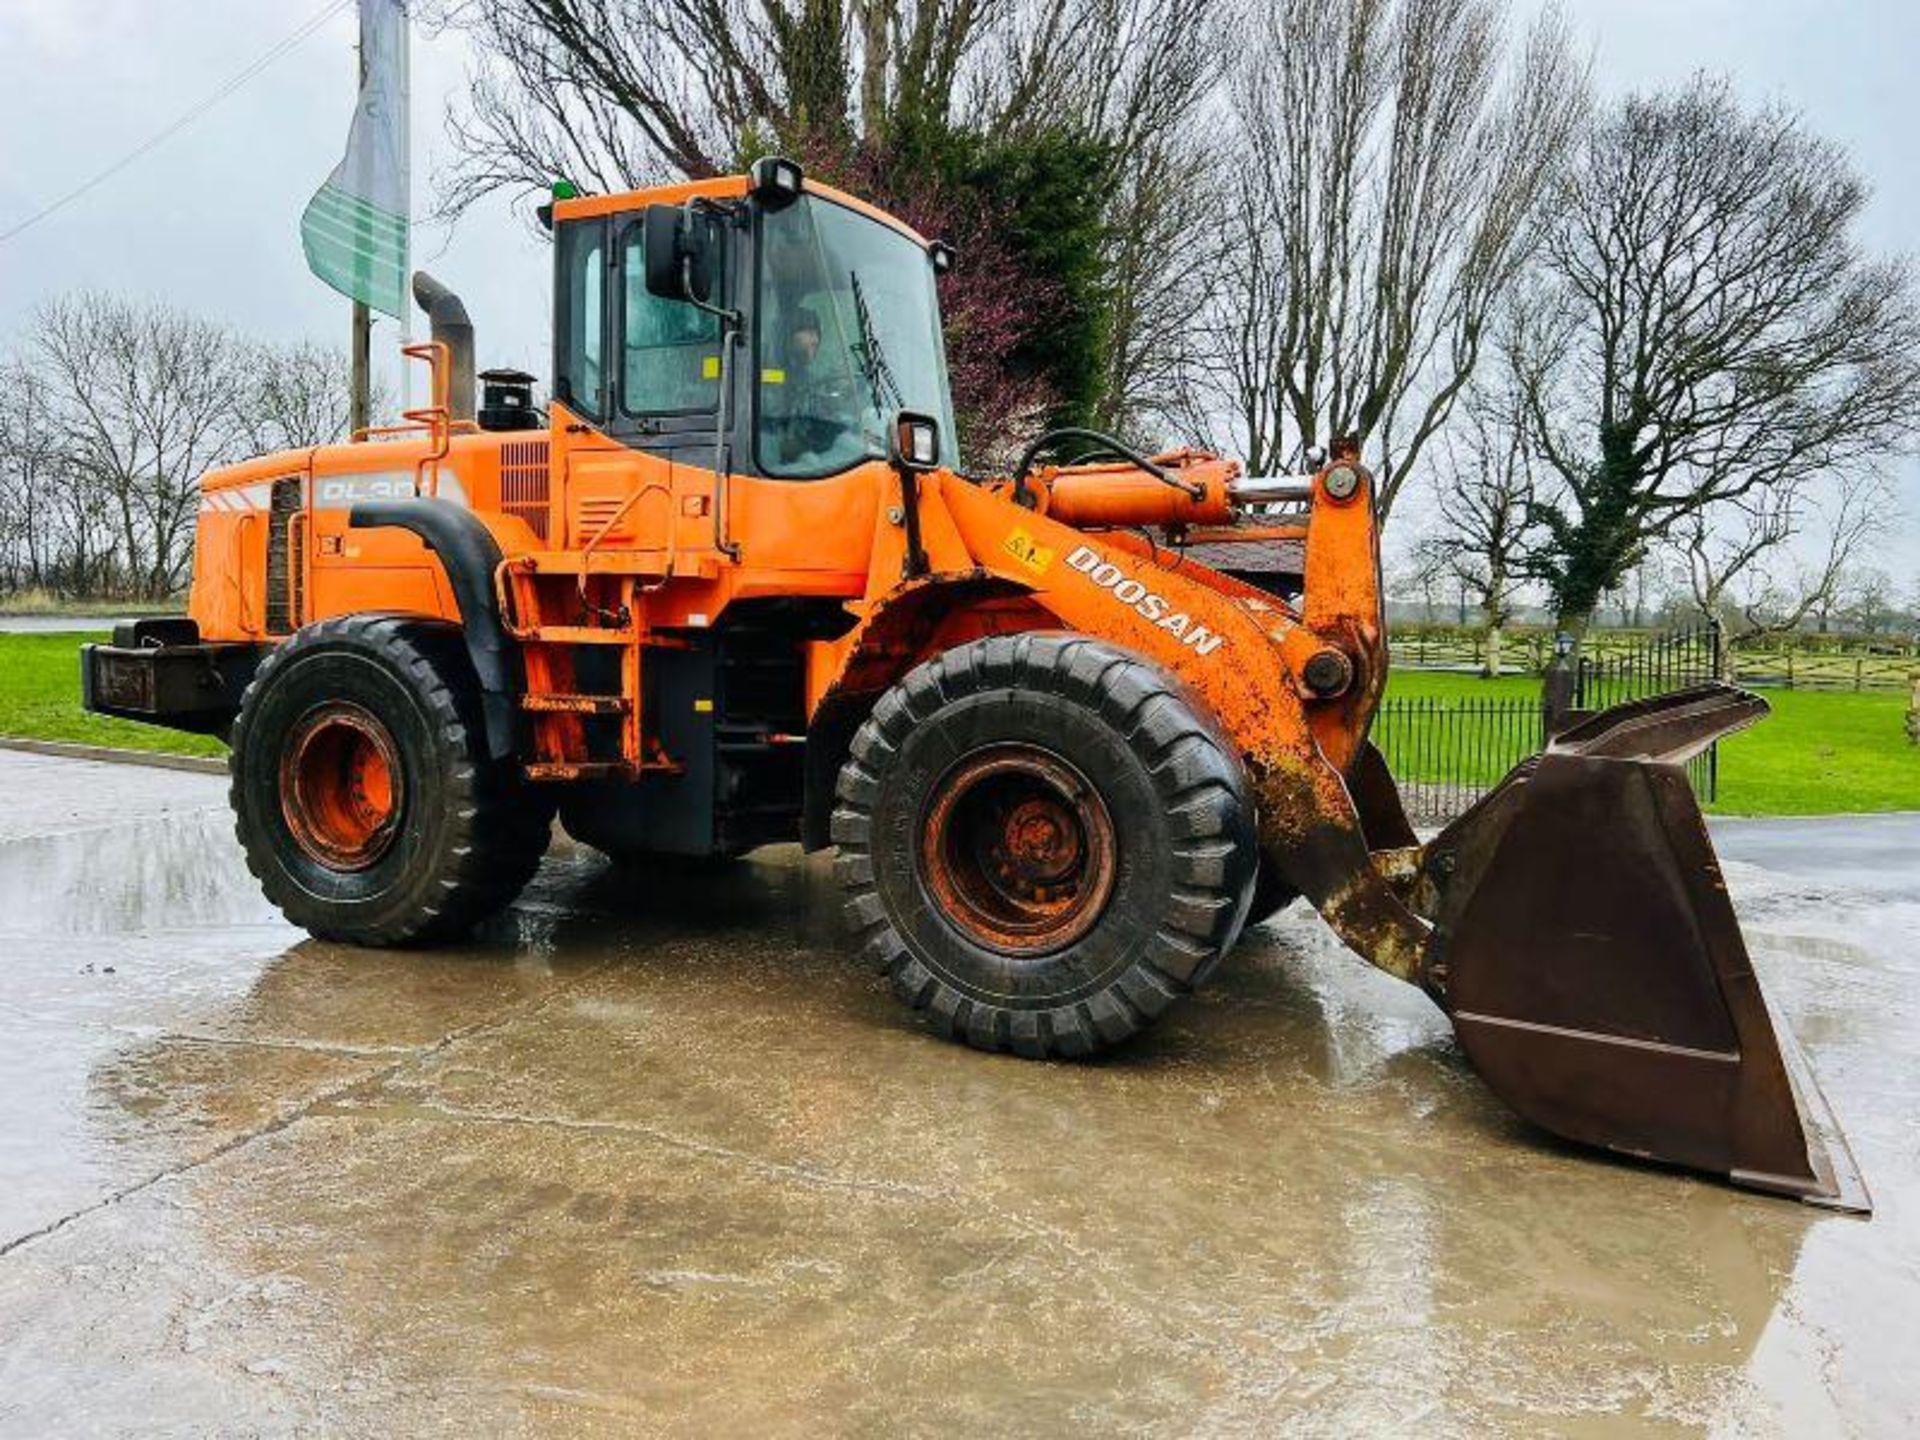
(354, 229)
(406, 208)
(360, 348)
(358, 417)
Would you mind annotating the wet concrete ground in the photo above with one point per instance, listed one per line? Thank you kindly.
(654, 1155)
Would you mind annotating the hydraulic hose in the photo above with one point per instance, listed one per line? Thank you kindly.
(1104, 444)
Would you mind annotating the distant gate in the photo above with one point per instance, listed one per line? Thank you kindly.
(1447, 753)
(1665, 662)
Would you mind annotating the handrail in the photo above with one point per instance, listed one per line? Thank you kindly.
(436, 416)
(367, 432)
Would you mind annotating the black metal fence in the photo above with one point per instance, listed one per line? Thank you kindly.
(1663, 662)
(1448, 752)
(1792, 661)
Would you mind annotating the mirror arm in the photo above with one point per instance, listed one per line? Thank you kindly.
(695, 204)
(916, 558)
(729, 318)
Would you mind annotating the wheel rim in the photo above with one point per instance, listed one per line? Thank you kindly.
(1018, 850)
(341, 786)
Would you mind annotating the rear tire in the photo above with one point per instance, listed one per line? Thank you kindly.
(362, 791)
(1042, 843)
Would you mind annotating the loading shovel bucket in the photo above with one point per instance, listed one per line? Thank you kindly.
(1588, 953)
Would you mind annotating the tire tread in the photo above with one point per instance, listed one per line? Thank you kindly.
(501, 828)
(1203, 790)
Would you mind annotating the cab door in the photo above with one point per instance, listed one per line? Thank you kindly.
(587, 462)
(639, 378)
(667, 386)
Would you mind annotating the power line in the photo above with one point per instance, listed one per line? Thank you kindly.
(226, 88)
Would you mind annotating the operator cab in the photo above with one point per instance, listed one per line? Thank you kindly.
(785, 326)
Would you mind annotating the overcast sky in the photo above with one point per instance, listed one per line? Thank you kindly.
(209, 219)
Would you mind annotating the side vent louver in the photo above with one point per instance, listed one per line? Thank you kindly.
(286, 574)
(524, 490)
(608, 517)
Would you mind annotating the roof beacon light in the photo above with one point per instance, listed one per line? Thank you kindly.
(776, 180)
(558, 191)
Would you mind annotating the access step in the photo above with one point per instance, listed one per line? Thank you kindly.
(581, 770)
(577, 635)
(561, 704)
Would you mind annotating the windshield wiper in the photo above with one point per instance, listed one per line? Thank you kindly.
(873, 360)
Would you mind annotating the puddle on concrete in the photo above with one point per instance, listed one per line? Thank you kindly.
(652, 1150)
(171, 872)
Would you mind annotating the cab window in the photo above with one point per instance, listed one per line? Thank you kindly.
(669, 349)
(579, 370)
(848, 334)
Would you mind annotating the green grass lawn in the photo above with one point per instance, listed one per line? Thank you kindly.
(1818, 753)
(40, 697)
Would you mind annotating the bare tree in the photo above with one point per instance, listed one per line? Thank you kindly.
(1708, 332)
(1418, 573)
(619, 93)
(145, 402)
(615, 94)
(117, 410)
(1485, 487)
(1743, 565)
(295, 396)
(1388, 170)
(29, 473)
(1871, 607)
(1142, 76)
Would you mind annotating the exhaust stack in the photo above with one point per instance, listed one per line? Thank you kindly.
(451, 327)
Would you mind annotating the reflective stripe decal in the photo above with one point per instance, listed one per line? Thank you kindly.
(330, 492)
(236, 499)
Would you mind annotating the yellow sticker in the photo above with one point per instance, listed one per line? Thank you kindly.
(710, 367)
(1030, 553)
(773, 377)
(703, 707)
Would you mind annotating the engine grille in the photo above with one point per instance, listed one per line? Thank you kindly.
(524, 485)
(286, 572)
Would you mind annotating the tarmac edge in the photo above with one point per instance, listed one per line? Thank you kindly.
(110, 755)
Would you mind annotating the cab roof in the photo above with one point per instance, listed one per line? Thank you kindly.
(721, 187)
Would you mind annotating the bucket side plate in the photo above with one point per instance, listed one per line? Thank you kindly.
(1589, 955)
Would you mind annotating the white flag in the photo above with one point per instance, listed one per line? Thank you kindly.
(355, 228)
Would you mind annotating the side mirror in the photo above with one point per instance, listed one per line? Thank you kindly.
(916, 441)
(679, 250)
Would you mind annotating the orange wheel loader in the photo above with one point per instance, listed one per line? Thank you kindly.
(734, 588)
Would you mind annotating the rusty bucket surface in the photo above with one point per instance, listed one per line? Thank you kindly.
(1588, 953)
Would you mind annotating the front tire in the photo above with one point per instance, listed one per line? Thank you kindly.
(1271, 894)
(1043, 843)
(362, 791)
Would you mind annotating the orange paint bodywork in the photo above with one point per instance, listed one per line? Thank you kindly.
(614, 522)
(608, 545)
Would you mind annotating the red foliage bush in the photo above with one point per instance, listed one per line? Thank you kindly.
(990, 304)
